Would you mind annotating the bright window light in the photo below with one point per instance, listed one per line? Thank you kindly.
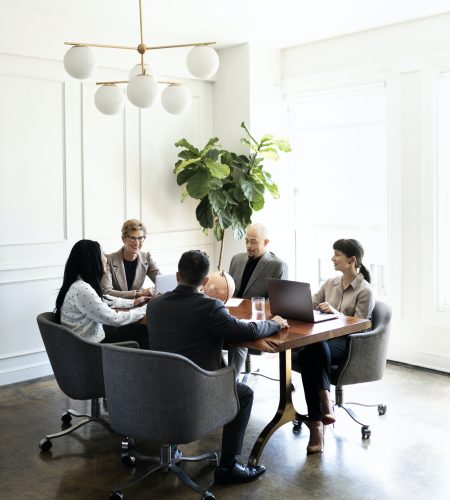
(339, 173)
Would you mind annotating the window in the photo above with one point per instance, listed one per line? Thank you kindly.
(339, 175)
(443, 192)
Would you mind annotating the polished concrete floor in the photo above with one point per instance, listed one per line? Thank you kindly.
(407, 456)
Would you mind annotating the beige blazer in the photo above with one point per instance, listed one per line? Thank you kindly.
(114, 281)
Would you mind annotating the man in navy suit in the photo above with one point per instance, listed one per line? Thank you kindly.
(188, 322)
(250, 271)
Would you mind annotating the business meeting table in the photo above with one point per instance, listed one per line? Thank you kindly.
(298, 334)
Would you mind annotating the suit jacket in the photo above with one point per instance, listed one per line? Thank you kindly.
(114, 281)
(187, 322)
(269, 266)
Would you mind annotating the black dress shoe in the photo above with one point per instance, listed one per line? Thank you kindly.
(239, 473)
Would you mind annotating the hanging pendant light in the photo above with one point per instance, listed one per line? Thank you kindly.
(202, 61)
(142, 90)
(109, 99)
(176, 99)
(79, 62)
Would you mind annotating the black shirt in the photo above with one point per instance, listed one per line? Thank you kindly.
(248, 271)
(130, 271)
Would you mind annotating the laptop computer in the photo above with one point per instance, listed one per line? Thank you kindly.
(165, 283)
(292, 300)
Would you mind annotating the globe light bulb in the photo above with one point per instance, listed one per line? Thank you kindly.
(142, 90)
(176, 99)
(202, 61)
(109, 99)
(79, 62)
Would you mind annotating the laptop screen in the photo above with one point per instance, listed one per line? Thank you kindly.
(292, 300)
(165, 283)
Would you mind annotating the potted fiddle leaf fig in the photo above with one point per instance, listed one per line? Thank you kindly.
(229, 187)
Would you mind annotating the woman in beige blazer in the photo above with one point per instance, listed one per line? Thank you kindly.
(125, 273)
(127, 268)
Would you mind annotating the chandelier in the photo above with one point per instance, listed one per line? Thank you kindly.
(142, 85)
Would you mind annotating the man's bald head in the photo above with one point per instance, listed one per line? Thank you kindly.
(256, 240)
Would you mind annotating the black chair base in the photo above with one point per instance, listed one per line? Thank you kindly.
(167, 462)
(46, 443)
(248, 369)
(366, 432)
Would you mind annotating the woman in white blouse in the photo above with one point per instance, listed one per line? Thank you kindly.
(80, 305)
(349, 294)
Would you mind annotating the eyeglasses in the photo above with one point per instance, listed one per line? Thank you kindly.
(136, 238)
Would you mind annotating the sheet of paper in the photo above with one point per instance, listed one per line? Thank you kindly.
(233, 302)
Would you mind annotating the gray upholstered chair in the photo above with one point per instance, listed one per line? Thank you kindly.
(169, 400)
(78, 369)
(365, 360)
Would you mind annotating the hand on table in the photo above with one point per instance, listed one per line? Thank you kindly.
(281, 321)
(146, 292)
(141, 300)
(325, 307)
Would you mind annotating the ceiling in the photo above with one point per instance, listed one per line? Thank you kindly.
(278, 23)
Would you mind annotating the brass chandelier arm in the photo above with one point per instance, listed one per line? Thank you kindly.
(165, 82)
(179, 45)
(102, 46)
(147, 47)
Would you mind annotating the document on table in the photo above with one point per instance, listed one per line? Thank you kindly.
(233, 302)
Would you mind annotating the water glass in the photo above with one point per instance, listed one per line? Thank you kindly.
(258, 308)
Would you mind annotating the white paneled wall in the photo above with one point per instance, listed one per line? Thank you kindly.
(68, 172)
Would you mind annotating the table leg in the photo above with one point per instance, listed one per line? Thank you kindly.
(285, 413)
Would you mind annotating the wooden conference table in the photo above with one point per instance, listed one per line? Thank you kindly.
(298, 334)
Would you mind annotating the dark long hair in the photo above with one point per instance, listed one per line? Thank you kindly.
(353, 248)
(85, 262)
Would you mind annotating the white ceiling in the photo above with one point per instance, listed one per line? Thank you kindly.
(279, 23)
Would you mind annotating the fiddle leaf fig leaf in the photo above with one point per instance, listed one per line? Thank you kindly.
(205, 214)
(183, 143)
(225, 219)
(185, 163)
(185, 175)
(269, 153)
(251, 189)
(282, 145)
(218, 232)
(218, 170)
(258, 203)
(197, 185)
(218, 200)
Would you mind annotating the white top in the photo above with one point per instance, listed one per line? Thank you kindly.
(83, 311)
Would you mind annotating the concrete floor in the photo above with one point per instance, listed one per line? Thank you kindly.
(407, 456)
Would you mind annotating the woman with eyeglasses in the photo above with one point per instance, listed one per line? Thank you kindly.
(127, 268)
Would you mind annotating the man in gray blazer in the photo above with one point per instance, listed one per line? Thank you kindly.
(250, 271)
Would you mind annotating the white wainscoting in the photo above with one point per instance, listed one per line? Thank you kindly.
(68, 172)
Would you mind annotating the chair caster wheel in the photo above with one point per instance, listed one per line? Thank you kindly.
(127, 443)
(66, 418)
(128, 460)
(116, 495)
(382, 409)
(365, 432)
(207, 495)
(297, 426)
(214, 461)
(45, 444)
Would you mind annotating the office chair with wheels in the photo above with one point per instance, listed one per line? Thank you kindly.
(169, 400)
(365, 360)
(78, 369)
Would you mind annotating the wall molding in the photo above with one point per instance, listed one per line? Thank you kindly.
(19, 367)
